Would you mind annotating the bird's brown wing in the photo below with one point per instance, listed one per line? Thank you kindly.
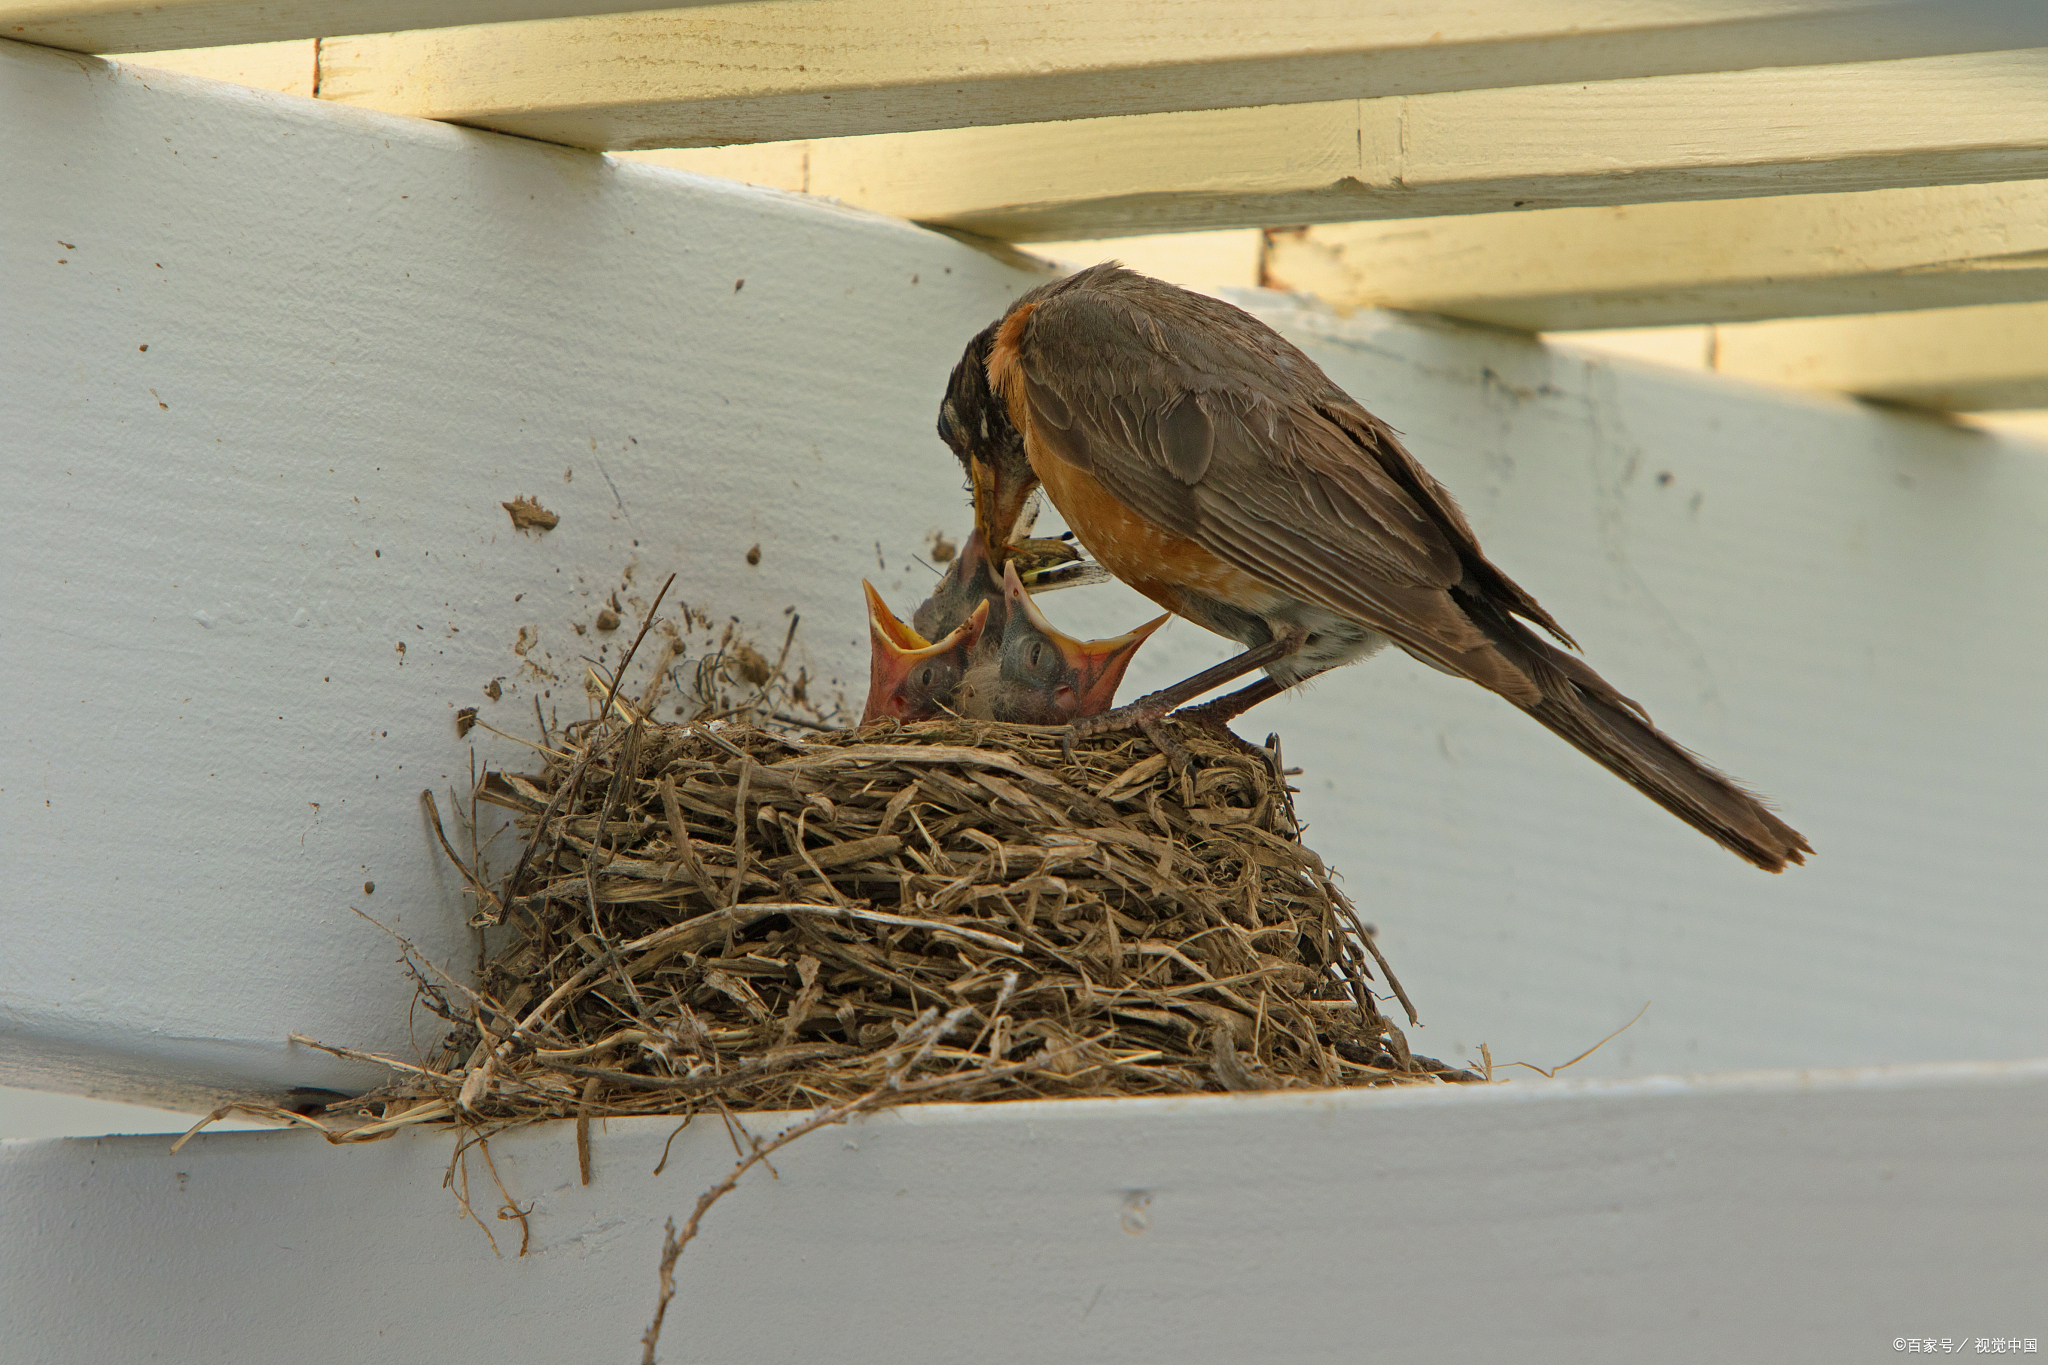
(1377, 440)
(1208, 427)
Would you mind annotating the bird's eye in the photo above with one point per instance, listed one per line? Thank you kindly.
(925, 675)
(1037, 655)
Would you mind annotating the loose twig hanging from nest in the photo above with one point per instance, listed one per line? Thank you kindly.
(930, 1029)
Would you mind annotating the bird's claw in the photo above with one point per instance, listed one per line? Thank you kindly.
(1177, 755)
(1147, 720)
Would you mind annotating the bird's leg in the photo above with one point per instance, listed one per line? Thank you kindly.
(1146, 712)
(1214, 714)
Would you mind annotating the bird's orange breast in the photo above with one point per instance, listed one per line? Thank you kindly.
(1138, 551)
(1135, 549)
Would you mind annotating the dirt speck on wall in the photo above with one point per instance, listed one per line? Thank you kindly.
(528, 515)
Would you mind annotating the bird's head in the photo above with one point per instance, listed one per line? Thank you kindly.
(975, 424)
(970, 581)
(1047, 677)
(910, 678)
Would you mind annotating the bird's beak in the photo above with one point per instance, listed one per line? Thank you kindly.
(1096, 666)
(896, 650)
(883, 624)
(974, 553)
(998, 503)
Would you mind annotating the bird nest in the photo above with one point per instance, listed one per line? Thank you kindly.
(723, 916)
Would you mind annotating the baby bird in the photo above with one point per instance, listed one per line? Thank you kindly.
(1034, 674)
(1043, 562)
(1004, 661)
(910, 678)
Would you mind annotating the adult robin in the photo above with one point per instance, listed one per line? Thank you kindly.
(1212, 466)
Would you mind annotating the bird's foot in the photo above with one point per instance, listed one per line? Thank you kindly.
(1213, 717)
(1145, 715)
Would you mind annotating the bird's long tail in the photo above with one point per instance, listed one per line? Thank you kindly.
(1614, 732)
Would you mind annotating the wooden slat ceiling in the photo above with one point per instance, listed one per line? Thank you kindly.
(1876, 168)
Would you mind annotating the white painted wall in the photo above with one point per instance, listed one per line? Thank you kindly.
(364, 332)
(1749, 1218)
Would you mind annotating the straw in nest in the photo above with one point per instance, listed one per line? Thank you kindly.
(717, 914)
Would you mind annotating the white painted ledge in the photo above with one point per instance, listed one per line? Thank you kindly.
(1760, 1217)
(53, 1114)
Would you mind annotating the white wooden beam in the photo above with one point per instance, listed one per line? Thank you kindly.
(781, 69)
(1229, 259)
(1651, 265)
(1957, 359)
(291, 66)
(127, 26)
(1683, 348)
(1945, 120)
(1989, 361)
